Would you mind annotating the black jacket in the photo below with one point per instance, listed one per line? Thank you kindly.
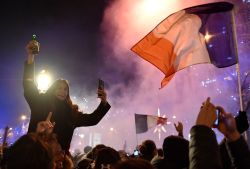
(203, 149)
(237, 153)
(40, 105)
(204, 152)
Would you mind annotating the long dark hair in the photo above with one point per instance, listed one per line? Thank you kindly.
(51, 94)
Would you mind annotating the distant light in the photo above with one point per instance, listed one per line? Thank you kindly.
(228, 78)
(174, 117)
(23, 117)
(43, 81)
(208, 37)
(111, 129)
(168, 122)
(210, 45)
(81, 135)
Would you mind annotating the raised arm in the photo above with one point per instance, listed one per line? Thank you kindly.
(236, 145)
(95, 117)
(179, 129)
(30, 89)
(203, 147)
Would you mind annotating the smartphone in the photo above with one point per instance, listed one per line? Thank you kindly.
(136, 153)
(100, 85)
(216, 123)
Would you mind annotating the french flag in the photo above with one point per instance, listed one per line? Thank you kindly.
(144, 122)
(200, 34)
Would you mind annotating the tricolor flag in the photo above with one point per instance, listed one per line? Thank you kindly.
(145, 122)
(200, 34)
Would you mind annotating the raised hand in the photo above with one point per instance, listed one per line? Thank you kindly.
(102, 95)
(227, 125)
(32, 49)
(207, 115)
(45, 126)
(179, 127)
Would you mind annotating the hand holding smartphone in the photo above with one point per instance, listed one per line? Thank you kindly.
(100, 85)
(218, 114)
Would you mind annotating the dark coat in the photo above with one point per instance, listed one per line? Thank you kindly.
(235, 155)
(65, 119)
(203, 149)
(175, 149)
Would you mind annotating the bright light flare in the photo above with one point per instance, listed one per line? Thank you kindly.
(43, 81)
(151, 6)
(23, 117)
(208, 37)
(159, 128)
(81, 135)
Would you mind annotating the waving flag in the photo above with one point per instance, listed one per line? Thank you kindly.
(145, 122)
(200, 34)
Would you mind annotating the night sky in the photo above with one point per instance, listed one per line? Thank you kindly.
(69, 34)
(83, 40)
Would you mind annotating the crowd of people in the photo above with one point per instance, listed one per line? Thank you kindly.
(41, 149)
(54, 118)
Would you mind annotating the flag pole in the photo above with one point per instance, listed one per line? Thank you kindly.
(136, 135)
(237, 64)
(237, 57)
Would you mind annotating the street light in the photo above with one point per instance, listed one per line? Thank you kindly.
(23, 117)
(43, 81)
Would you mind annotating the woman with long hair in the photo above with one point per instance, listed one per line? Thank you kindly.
(65, 114)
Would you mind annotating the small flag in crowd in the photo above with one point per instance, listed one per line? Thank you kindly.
(200, 34)
(145, 122)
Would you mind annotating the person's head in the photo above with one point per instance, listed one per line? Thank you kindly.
(176, 150)
(160, 152)
(148, 150)
(30, 152)
(85, 163)
(106, 158)
(92, 154)
(87, 149)
(60, 89)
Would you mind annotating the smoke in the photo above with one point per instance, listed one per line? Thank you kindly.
(133, 83)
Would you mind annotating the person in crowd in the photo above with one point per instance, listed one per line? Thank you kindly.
(242, 126)
(106, 158)
(85, 163)
(30, 152)
(65, 114)
(160, 153)
(148, 150)
(203, 144)
(175, 151)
